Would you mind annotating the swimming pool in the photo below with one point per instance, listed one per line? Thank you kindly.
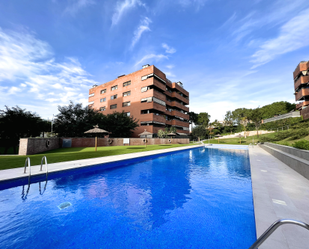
(198, 198)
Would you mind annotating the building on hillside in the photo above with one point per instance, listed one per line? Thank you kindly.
(146, 95)
(301, 86)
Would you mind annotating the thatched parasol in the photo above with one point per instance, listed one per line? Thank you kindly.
(171, 134)
(97, 130)
(218, 135)
(145, 133)
(240, 136)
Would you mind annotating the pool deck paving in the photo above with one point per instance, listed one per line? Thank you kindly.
(279, 192)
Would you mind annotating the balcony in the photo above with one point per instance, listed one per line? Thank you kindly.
(180, 123)
(301, 80)
(178, 96)
(180, 89)
(304, 103)
(152, 105)
(180, 106)
(152, 117)
(153, 82)
(180, 114)
(303, 66)
(301, 93)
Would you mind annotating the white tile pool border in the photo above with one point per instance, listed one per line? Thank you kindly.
(18, 173)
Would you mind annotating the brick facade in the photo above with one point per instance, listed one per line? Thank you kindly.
(146, 95)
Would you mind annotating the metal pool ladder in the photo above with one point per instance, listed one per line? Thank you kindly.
(44, 158)
(29, 167)
(273, 227)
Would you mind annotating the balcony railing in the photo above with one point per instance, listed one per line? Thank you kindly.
(301, 80)
(301, 93)
(178, 96)
(180, 106)
(180, 114)
(304, 103)
(152, 117)
(180, 123)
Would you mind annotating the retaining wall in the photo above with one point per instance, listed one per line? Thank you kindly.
(292, 157)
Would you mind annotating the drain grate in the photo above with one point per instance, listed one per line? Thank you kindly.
(64, 205)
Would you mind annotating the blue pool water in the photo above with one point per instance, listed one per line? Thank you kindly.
(199, 198)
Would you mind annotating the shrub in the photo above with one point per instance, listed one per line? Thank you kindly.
(301, 144)
(300, 133)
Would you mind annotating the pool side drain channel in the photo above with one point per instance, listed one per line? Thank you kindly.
(64, 205)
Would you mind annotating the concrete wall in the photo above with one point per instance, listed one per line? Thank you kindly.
(297, 163)
(295, 114)
(304, 154)
(31, 146)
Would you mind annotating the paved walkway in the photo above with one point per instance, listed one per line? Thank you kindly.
(279, 193)
(16, 173)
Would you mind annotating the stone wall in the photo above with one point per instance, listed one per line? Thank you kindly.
(31, 146)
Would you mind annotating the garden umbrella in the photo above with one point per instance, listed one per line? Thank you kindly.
(218, 135)
(145, 133)
(171, 134)
(96, 130)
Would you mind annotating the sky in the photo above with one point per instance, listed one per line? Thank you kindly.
(228, 54)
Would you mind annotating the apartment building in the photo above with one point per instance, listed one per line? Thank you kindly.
(301, 86)
(148, 96)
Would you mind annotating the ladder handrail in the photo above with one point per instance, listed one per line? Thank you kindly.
(46, 164)
(25, 169)
(273, 227)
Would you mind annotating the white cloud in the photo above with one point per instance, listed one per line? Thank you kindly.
(122, 7)
(144, 26)
(151, 57)
(197, 3)
(26, 61)
(168, 49)
(14, 90)
(170, 66)
(292, 36)
(76, 5)
(170, 74)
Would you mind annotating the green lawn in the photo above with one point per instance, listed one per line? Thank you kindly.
(69, 154)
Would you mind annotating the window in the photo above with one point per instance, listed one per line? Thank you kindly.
(114, 106)
(127, 83)
(103, 100)
(126, 93)
(126, 103)
(128, 114)
(114, 88)
(149, 99)
(102, 108)
(92, 94)
(114, 96)
(103, 91)
(144, 89)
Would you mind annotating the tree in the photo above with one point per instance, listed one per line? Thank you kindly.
(161, 133)
(120, 124)
(16, 123)
(200, 132)
(277, 108)
(239, 114)
(256, 116)
(73, 120)
(229, 120)
(193, 117)
(203, 119)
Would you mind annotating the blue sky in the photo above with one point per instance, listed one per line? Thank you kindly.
(228, 54)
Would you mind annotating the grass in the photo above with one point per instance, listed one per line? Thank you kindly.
(69, 154)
